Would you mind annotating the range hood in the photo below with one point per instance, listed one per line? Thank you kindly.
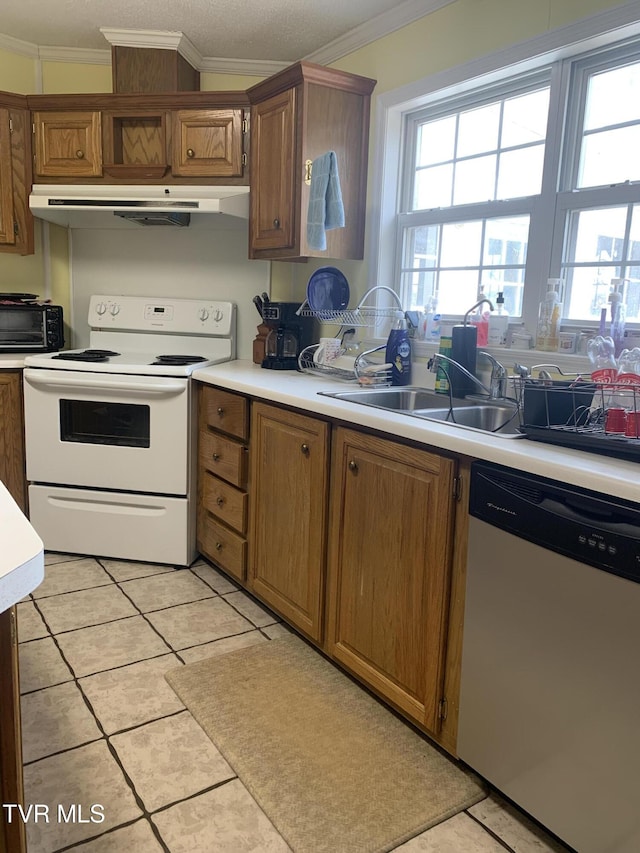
(112, 206)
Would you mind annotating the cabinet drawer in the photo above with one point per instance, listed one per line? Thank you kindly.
(225, 411)
(224, 501)
(221, 545)
(224, 458)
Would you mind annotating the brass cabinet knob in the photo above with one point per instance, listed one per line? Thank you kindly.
(276, 223)
(305, 449)
(215, 457)
(220, 411)
(353, 465)
(220, 501)
(79, 154)
(190, 153)
(218, 546)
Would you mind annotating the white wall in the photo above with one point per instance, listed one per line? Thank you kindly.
(191, 263)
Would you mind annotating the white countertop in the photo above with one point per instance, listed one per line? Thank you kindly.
(603, 474)
(21, 553)
(12, 361)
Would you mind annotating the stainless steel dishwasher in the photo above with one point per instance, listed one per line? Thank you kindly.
(550, 685)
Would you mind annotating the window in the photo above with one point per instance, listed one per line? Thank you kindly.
(534, 176)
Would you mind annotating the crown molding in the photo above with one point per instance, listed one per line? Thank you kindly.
(250, 67)
(155, 39)
(24, 48)
(74, 54)
(378, 27)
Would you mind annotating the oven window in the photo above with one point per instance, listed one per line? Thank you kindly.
(98, 422)
(20, 326)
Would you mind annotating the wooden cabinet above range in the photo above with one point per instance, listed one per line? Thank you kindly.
(182, 138)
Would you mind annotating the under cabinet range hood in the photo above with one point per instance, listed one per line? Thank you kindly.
(82, 206)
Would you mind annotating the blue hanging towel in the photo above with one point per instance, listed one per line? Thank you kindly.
(326, 210)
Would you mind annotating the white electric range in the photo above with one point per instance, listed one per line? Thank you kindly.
(111, 430)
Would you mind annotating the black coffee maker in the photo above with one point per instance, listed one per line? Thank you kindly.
(289, 334)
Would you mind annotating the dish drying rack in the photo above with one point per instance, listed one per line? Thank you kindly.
(573, 413)
(360, 316)
(366, 371)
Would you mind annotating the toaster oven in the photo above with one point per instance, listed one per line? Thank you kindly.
(30, 327)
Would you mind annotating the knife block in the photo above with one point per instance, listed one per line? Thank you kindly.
(259, 343)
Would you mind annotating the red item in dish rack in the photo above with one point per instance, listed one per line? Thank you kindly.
(632, 428)
(616, 420)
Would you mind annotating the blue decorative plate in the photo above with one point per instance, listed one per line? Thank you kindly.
(328, 290)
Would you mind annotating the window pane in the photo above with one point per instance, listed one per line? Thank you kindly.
(421, 247)
(613, 97)
(478, 130)
(588, 293)
(506, 241)
(417, 288)
(520, 172)
(599, 235)
(433, 187)
(461, 244)
(610, 157)
(525, 119)
(475, 180)
(458, 290)
(633, 294)
(436, 140)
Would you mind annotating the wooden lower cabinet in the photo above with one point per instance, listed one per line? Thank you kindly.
(289, 490)
(391, 530)
(12, 464)
(221, 525)
(12, 833)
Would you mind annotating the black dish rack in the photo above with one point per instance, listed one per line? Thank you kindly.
(574, 413)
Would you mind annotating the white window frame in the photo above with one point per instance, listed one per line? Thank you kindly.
(598, 31)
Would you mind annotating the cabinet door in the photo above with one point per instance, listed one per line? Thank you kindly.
(12, 468)
(12, 834)
(289, 487)
(68, 144)
(7, 232)
(273, 154)
(389, 566)
(207, 143)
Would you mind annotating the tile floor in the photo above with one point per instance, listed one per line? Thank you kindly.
(102, 728)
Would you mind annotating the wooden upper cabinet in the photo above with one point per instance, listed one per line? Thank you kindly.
(273, 132)
(207, 143)
(7, 232)
(298, 115)
(68, 144)
(16, 220)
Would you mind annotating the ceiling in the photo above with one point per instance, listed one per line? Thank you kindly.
(269, 30)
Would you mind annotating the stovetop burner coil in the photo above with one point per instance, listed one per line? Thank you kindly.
(178, 359)
(87, 355)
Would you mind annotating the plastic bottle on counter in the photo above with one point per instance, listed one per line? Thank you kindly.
(431, 321)
(617, 315)
(446, 345)
(498, 324)
(550, 314)
(603, 361)
(398, 352)
(481, 321)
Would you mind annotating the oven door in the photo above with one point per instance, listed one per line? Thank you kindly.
(107, 431)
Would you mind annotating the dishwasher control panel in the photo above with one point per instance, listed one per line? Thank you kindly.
(600, 531)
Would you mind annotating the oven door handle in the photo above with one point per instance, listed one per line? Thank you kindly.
(97, 383)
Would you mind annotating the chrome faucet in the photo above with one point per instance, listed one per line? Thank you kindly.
(498, 381)
(497, 384)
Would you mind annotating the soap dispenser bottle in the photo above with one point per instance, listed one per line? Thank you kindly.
(550, 314)
(398, 351)
(617, 315)
(498, 324)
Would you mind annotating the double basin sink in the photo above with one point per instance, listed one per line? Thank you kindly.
(496, 416)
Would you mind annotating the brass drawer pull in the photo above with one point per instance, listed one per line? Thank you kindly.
(353, 466)
(190, 153)
(79, 154)
(215, 456)
(305, 449)
(220, 411)
(218, 546)
(276, 223)
(220, 501)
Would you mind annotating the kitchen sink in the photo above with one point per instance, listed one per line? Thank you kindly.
(499, 417)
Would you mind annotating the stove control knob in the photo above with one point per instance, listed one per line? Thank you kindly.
(101, 308)
(203, 313)
(114, 309)
(218, 315)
